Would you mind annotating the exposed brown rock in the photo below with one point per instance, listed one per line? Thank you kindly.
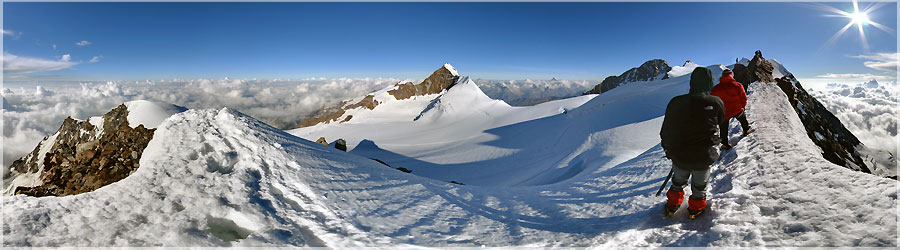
(325, 118)
(81, 161)
(440, 80)
(328, 116)
(367, 102)
(760, 69)
(322, 141)
(648, 71)
(741, 74)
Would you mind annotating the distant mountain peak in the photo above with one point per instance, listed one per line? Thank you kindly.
(651, 70)
(441, 79)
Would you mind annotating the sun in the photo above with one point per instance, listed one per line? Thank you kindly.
(859, 17)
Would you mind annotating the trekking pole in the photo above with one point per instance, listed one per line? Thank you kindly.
(665, 182)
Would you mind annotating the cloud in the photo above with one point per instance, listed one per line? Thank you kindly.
(34, 112)
(83, 43)
(854, 76)
(868, 110)
(12, 33)
(95, 59)
(881, 61)
(13, 64)
(54, 46)
(530, 92)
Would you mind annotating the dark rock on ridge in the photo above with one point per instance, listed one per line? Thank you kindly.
(438, 81)
(648, 71)
(760, 69)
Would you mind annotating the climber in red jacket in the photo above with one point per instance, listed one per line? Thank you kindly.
(732, 94)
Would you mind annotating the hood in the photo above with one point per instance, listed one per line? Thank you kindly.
(701, 81)
(727, 78)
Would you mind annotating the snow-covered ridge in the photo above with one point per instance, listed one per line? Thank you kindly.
(684, 69)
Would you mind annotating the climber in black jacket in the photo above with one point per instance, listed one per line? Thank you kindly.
(689, 138)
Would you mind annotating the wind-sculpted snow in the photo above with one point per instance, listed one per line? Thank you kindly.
(219, 178)
(30, 112)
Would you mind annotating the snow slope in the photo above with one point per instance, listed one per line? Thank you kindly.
(465, 136)
(212, 177)
(451, 128)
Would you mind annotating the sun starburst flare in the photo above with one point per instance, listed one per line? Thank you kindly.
(858, 17)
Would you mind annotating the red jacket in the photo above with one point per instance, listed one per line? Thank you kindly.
(732, 94)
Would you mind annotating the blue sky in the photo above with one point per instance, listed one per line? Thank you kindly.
(136, 41)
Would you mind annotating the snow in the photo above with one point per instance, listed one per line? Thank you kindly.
(819, 136)
(685, 69)
(212, 177)
(451, 69)
(30, 179)
(778, 70)
(148, 113)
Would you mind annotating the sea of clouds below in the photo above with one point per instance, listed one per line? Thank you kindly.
(33, 111)
(867, 109)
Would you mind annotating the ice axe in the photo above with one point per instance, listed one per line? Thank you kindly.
(665, 182)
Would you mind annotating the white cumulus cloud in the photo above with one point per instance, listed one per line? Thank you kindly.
(13, 64)
(867, 108)
(83, 43)
(95, 59)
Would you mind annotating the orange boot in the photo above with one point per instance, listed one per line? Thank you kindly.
(675, 199)
(696, 207)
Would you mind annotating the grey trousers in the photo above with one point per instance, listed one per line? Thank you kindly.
(698, 182)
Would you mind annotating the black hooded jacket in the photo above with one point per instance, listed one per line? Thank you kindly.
(689, 129)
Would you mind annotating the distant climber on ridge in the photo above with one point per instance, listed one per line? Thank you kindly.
(689, 138)
(735, 98)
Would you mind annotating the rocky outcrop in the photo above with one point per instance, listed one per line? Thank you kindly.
(341, 144)
(82, 157)
(760, 69)
(655, 69)
(333, 115)
(442, 78)
(839, 145)
(322, 141)
(742, 74)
